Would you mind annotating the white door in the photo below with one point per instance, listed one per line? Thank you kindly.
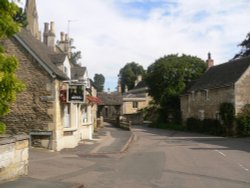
(66, 116)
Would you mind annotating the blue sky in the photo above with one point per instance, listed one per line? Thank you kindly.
(111, 33)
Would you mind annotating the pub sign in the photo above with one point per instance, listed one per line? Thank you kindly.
(76, 94)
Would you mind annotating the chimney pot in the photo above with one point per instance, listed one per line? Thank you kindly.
(62, 36)
(52, 27)
(210, 61)
(46, 27)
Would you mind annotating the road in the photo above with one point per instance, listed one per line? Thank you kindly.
(156, 159)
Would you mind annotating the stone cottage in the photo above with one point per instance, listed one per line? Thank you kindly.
(135, 100)
(228, 82)
(52, 107)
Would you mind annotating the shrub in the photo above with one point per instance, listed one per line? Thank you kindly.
(2, 128)
(243, 121)
(227, 115)
(194, 124)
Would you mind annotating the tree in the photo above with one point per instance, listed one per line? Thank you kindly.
(99, 81)
(9, 84)
(167, 78)
(75, 57)
(245, 48)
(128, 74)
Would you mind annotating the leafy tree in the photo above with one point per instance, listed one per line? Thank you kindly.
(245, 48)
(167, 78)
(9, 84)
(75, 57)
(243, 121)
(99, 80)
(128, 74)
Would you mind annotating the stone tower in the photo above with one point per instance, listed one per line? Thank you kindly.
(32, 18)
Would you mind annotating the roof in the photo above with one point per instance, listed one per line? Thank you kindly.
(140, 85)
(58, 58)
(110, 99)
(77, 72)
(40, 52)
(221, 75)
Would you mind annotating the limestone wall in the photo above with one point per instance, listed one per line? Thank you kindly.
(14, 156)
(206, 103)
(30, 111)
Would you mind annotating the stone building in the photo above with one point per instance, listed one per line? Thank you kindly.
(135, 100)
(228, 82)
(48, 110)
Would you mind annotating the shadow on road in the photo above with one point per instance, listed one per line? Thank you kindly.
(222, 143)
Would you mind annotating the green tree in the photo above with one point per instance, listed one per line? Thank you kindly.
(75, 57)
(9, 84)
(99, 81)
(167, 78)
(128, 74)
(245, 48)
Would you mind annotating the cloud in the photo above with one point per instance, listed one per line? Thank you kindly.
(111, 33)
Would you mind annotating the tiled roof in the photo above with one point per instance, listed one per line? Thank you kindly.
(77, 72)
(58, 58)
(140, 85)
(40, 51)
(221, 75)
(110, 99)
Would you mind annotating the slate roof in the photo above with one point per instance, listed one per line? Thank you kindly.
(140, 85)
(110, 99)
(77, 72)
(58, 58)
(221, 75)
(40, 50)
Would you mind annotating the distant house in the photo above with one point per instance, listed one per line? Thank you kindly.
(228, 82)
(135, 100)
(54, 109)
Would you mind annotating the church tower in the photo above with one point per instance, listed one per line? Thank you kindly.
(32, 18)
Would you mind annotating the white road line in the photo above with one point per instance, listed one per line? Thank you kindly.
(220, 153)
(246, 169)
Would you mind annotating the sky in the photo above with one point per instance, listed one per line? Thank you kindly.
(111, 33)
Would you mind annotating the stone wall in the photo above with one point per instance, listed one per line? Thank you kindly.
(242, 91)
(205, 103)
(14, 155)
(30, 111)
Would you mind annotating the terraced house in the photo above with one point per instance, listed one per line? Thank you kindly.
(54, 109)
(228, 82)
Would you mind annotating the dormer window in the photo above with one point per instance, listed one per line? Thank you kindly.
(65, 70)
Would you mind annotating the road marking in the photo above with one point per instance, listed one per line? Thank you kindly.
(246, 169)
(220, 153)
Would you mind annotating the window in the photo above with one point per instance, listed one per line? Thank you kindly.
(65, 70)
(135, 104)
(193, 95)
(66, 116)
(206, 94)
(201, 114)
(217, 115)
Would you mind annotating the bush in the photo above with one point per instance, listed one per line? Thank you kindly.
(210, 126)
(227, 115)
(2, 128)
(194, 124)
(243, 121)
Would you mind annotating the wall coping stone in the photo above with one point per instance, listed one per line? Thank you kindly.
(8, 139)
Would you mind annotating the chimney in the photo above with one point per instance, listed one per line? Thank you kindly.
(139, 78)
(119, 88)
(126, 88)
(52, 28)
(49, 35)
(46, 33)
(62, 37)
(210, 61)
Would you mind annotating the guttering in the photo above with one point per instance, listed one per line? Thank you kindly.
(46, 67)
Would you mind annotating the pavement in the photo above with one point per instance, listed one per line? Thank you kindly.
(108, 140)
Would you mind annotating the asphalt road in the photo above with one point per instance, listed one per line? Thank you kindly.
(156, 159)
